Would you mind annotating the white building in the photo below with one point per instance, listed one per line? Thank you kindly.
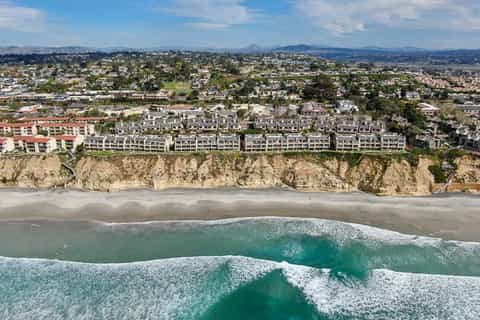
(428, 109)
(346, 106)
(70, 143)
(30, 144)
(6, 145)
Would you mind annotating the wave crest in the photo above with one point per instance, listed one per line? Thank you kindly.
(186, 288)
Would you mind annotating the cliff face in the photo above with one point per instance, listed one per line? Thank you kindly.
(303, 172)
(31, 171)
(379, 175)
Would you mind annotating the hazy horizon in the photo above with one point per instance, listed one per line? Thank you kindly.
(429, 24)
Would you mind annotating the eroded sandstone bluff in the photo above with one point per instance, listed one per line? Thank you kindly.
(385, 175)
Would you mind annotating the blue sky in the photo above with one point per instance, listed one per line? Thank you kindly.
(239, 23)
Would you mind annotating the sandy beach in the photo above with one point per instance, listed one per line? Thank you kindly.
(451, 217)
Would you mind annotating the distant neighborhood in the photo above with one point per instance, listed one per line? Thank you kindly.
(163, 102)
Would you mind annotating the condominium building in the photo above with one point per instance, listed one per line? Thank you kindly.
(207, 142)
(366, 126)
(275, 142)
(186, 143)
(129, 143)
(393, 142)
(95, 143)
(202, 124)
(228, 142)
(369, 142)
(318, 142)
(18, 129)
(70, 129)
(30, 144)
(255, 143)
(295, 142)
(283, 125)
(346, 142)
(70, 143)
(346, 126)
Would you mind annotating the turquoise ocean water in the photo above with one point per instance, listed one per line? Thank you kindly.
(266, 268)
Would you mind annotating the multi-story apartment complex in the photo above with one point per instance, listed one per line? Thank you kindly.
(392, 142)
(186, 143)
(255, 143)
(18, 129)
(202, 124)
(369, 142)
(30, 144)
(129, 143)
(207, 142)
(295, 142)
(346, 142)
(70, 129)
(70, 143)
(228, 142)
(283, 125)
(314, 142)
(318, 142)
(347, 126)
(151, 124)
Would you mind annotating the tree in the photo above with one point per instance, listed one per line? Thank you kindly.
(232, 69)
(414, 116)
(381, 106)
(248, 87)
(322, 89)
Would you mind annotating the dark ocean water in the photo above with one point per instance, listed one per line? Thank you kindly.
(235, 269)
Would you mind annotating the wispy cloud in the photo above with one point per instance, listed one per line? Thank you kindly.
(348, 16)
(211, 14)
(19, 18)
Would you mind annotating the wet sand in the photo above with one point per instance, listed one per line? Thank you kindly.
(451, 217)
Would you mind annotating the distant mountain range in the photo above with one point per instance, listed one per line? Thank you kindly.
(19, 50)
(367, 54)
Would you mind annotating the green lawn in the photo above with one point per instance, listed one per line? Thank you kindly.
(177, 86)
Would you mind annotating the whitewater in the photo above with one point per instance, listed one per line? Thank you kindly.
(255, 268)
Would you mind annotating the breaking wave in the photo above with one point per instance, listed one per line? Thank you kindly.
(225, 287)
(322, 244)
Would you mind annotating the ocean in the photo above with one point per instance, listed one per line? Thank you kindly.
(251, 268)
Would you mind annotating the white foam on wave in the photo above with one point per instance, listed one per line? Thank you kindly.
(180, 288)
(341, 232)
(184, 288)
(389, 295)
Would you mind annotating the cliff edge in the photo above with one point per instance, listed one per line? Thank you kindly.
(378, 174)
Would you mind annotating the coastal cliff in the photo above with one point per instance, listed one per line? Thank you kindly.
(382, 175)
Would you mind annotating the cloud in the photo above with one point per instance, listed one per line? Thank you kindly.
(349, 16)
(211, 14)
(20, 18)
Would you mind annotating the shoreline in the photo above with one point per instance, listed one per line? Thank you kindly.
(446, 216)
